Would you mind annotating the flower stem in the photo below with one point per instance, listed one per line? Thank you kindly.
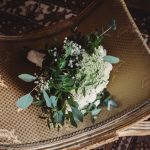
(106, 31)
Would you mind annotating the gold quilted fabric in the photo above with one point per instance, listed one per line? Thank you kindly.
(129, 83)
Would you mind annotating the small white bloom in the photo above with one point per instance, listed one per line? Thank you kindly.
(97, 102)
(83, 111)
(83, 50)
(55, 54)
(71, 61)
(36, 82)
(77, 64)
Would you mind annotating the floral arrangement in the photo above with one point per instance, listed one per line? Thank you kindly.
(73, 79)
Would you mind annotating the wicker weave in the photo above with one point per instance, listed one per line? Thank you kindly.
(129, 84)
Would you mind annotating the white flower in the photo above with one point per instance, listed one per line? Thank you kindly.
(71, 61)
(55, 53)
(77, 64)
(97, 102)
(97, 72)
(83, 111)
(66, 38)
(75, 48)
(44, 86)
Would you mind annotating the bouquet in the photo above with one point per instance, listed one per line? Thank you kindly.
(72, 81)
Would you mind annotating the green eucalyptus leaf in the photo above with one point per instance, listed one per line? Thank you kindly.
(84, 92)
(58, 117)
(77, 114)
(113, 25)
(27, 77)
(62, 64)
(111, 103)
(83, 77)
(47, 99)
(53, 100)
(90, 107)
(107, 99)
(72, 121)
(89, 83)
(25, 101)
(95, 111)
(111, 59)
(68, 50)
(76, 90)
(50, 101)
(68, 82)
(39, 102)
(73, 103)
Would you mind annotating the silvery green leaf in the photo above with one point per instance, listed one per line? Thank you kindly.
(113, 25)
(53, 101)
(39, 103)
(47, 99)
(58, 117)
(111, 103)
(73, 103)
(90, 107)
(72, 121)
(27, 77)
(107, 99)
(95, 112)
(25, 101)
(78, 116)
(63, 64)
(50, 101)
(68, 50)
(111, 59)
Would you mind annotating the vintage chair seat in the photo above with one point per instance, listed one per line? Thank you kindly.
(129, 83)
